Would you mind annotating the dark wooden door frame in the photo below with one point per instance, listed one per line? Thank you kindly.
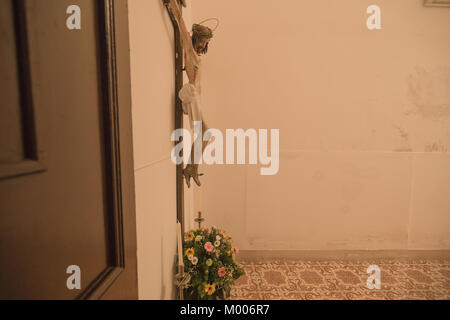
(119, 162)
(121, 274)
(115, 239)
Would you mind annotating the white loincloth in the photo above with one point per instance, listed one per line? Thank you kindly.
(191, 103)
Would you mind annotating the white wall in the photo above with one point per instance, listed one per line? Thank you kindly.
(364, 119)
(152, 81)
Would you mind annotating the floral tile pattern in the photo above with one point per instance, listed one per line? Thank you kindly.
(342, 280)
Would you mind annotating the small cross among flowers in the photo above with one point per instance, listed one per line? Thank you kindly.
(199, 219)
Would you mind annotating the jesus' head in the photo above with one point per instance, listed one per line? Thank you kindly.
(201, 35)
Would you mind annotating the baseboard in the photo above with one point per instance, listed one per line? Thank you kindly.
(341, 254)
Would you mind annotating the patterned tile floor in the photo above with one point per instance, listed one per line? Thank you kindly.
(341, 280)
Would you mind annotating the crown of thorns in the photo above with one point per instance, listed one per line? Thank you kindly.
(200, 31)
(203, 31)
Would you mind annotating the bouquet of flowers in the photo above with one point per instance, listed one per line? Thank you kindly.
(210, 260)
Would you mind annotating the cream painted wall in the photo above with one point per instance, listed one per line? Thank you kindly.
(364, 119)
(152, 69)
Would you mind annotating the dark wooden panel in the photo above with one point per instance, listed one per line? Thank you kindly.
(18, 117)
(81, 210)
(11, 146)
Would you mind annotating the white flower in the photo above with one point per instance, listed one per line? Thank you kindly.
(194, 260)
(190, 257)
(217, 254)
(218, 238)
(217, 243)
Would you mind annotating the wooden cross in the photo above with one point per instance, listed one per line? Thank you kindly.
(180, 43)
(199, 219)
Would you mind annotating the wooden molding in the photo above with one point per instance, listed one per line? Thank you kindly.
(20, 168)
(111, 140)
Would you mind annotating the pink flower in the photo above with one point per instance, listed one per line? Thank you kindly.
(222, 272)
(236, 250)
(209, 247)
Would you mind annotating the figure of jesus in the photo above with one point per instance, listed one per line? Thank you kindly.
(193, 47)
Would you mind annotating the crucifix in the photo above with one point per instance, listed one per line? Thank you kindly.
(192, 48)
